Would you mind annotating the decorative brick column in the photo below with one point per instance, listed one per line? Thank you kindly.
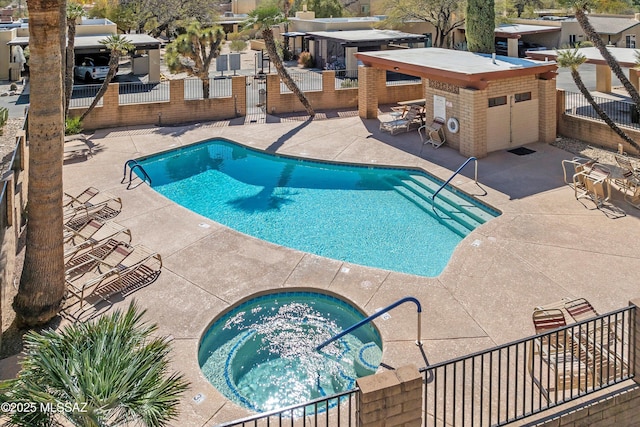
(547, 110)
(473, 122)
(391, 398)
(368, 92)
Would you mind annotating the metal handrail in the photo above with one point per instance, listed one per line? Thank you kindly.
(133, 164)
(375, 315)
(433, 198)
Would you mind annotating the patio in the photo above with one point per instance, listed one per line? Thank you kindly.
(546, 245)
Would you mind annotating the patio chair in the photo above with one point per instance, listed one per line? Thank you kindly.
(630, 175)
(403, 124)
(91, 196)
(91, 233)
(593, 184)
(574, 166)
(580, 309)
(433, 133)
(77, 217)
(126, 269)
(548, 319)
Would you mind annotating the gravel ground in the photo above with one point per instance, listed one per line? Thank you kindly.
(582, 149)
(8, 142)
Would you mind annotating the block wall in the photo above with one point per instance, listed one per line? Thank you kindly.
(592, 131)
(391, 398)
(176, 111)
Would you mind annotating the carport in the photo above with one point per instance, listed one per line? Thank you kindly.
(625, 57)
(144, 60)
(489, 103)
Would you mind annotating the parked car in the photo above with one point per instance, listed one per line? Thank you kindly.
(523, 47)
(91, 68)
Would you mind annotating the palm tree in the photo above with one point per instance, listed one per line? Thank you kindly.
(118, 45)
(572, 59)
(42, 288)
(74, 11)
(263, 18)
(109, 372)
(188, 52)
(581, 7)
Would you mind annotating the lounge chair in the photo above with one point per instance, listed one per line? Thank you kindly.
(580, 309)
(404, 124)
(94, 231)
(433, 133)
(90, 197)
(108, 254)
(548, 319)
(126, 269)
(77, 217)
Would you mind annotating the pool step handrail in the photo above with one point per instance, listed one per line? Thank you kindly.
(375, 315)
(133, 164)
(466, 162)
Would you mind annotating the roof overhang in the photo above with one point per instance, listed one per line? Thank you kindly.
(625, 57)
(464, 69)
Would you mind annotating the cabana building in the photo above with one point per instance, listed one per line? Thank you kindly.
(488, 103)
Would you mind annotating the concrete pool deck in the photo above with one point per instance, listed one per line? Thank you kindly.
(546, 245)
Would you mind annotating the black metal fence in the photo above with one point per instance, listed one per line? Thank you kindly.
(346, 79)
(306, 81)
(623, 113)
(336, 410)
(82, 96)
(522, 378)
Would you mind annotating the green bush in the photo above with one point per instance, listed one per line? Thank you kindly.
(72, 126)
(306, 60)
(13, 86)
(238, 45)
(347, 83)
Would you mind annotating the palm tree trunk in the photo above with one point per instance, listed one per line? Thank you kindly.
(114, 60)
(42, 285)
(593, 36)
(69, 64)
(599, 111)
(270, 44)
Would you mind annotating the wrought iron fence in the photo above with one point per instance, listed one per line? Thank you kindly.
(346, 79)
(525, 377)
(218, 88)
(82, 96)
(306, 81)
(623, 113)
(336, 410)
(143, 93)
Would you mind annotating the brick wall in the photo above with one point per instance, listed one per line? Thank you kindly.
(391, 398)
(592, 131)
(177, 110)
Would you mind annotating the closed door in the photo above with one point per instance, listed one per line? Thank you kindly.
(512, 121)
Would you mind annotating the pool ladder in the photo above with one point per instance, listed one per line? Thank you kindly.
(378, 314)
(133, 165)
(466, 162)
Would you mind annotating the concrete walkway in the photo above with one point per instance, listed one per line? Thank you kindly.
(546, 245)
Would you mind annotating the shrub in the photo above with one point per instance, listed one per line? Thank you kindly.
(4, 116)
(72, 126)
(13, 86)
(306, 60)
(347, 83)
(238, 45)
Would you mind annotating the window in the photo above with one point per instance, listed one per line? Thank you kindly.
(572, 40)
(499, 100)
(364, 9)
(428, 42)
(524, 96)
(631, 41)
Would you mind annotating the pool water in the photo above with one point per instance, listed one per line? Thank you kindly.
(370, 216)
(261, 354)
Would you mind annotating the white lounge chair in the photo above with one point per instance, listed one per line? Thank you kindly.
(404, 124)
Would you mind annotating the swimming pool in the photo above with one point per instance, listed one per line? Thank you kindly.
(262, 354)
(378, 217)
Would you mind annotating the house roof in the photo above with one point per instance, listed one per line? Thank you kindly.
(86, 44)
(625, 57)
(367, 37)
(609, 25)
(466, 69)
(516, 30)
